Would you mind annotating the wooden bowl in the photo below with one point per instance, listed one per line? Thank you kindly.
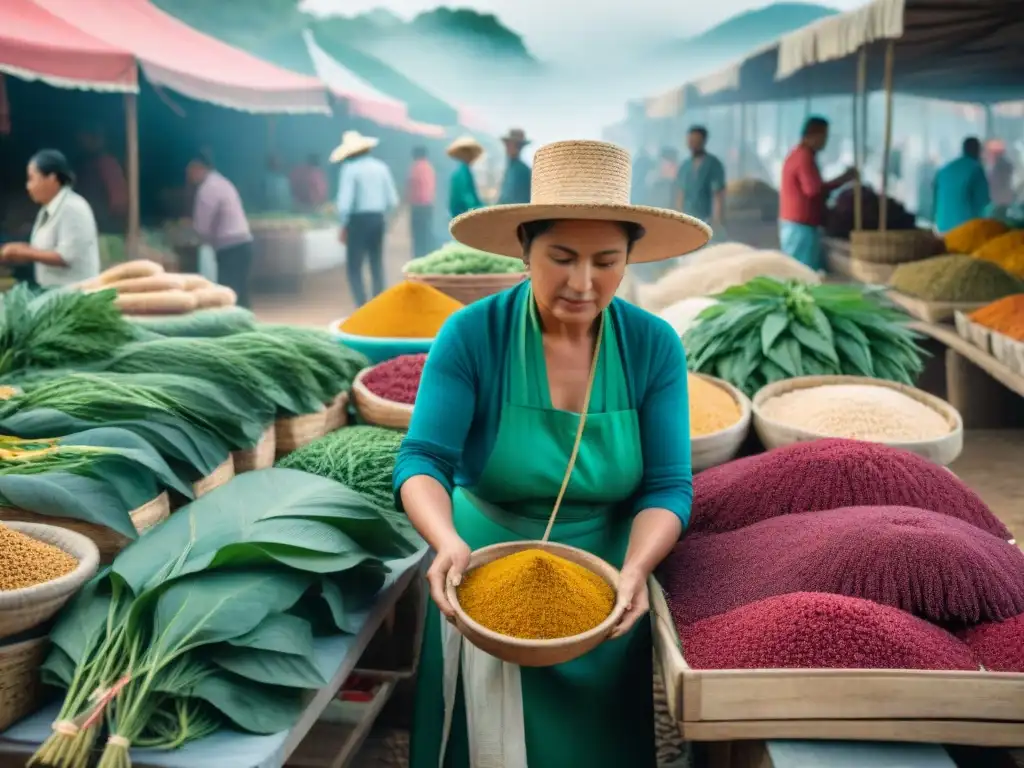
(537, 653)
(378, 349)
(716, 448)
(374, 409)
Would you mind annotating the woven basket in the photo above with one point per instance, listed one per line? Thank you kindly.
(469, 288)
(863, 271)
(260, 456)
(215, 479)
(337, 413)
(893, 246)
(20, 687)
(297, 431)
(710, 450)
(23, 609)
(941, 450)
(374, 409)
(107, 541)
(932, 311)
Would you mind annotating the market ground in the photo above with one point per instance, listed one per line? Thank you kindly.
(990, 462)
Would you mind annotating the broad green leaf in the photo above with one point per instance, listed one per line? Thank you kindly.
(773, 325)
(62, 494)
(83, 621)
(58, 670)
(786, 354)
(350, 593)
(850, 328)
(279, 632)
(815, 342)
(269, 667)
(254, 554)
(857, 356)
(134, 449)
(253, 707)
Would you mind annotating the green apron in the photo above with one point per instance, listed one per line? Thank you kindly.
(596, 711)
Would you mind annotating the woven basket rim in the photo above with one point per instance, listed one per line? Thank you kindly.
(364, 392)
(340, 335)
(79, 546)
(486, 279)
(746, 410)
(964, 306)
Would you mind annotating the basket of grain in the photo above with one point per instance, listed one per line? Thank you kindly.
(384, 394)
(293, 432)
(20, 686)
(978, 335)
(108, 541)
(220, 475)
(507, 604)
(893, 246)
(465, 273)
(260, 456)
(468, 288)
(858, 408)
(337, 413)
(41, 568)
(719, 421)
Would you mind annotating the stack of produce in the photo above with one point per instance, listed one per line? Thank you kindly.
(712, 409)
(144, 288)
(683, 314)
(1005, 250)
(458, 259)
(767, 330)
(27, 561)
(955, 278)
(973, 234)
(208, 621)
(207, 323)
(408, 310)
(396, 380)
(711, 277)
(745, 195)
(839, 220)
(1005, 316)
(810, 576)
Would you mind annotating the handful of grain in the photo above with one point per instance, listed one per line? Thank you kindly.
(25, 562)
(712, 409)
(857, 412)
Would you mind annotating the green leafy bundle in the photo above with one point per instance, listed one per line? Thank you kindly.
(204, 323)
(767, 330)
(458, 259)
(333, 365)
(58, 329)
(209, 620)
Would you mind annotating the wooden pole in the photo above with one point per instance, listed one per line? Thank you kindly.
(890, 54)
(858, 190)
(131, 129)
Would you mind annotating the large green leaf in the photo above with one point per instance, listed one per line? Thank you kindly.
(279, 632)
(786, 354)
(253, 707)
(815, 342)
(135, 450)
(348, 594)
(857, 355)
(62, 494)
(292, 670)
(771, 328)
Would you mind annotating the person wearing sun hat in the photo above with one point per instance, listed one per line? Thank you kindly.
(462, 194)
(505, 389)
(515, 185)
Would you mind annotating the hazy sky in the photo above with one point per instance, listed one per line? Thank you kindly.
(559, 29)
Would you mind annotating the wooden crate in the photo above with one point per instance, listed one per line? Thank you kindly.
(973, 708)
(932, 311)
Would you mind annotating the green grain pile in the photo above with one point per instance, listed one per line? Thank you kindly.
(955, 278)
(458, 259)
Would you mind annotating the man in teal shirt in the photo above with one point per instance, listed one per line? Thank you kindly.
(961, 188)
(515, 187)
(700, 183)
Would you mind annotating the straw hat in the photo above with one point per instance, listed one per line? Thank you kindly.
(582, 180)
(352, 143)
(516, 136)
(465, 148)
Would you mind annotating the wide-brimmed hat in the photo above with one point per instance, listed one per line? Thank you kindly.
(582, 180)
(516, 136)
(352, 143)
(465, 148)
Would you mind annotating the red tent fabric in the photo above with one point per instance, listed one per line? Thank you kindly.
(176, 56)
(37, 45)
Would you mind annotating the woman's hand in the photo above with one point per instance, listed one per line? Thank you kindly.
(632, 592)
(449, 564)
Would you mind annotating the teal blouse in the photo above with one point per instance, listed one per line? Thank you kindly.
(462, 194)
(461, 393)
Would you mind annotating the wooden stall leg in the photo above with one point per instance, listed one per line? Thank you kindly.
(983, 402)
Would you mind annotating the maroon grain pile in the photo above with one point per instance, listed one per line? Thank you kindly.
(828, 474)
(999, 646)
(811, 630)
(397, 379)
(931, 565)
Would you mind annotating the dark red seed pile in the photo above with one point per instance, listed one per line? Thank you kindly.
(397, 379)
(931, 565)
(828, 474)
(999, 646)
(811, 630)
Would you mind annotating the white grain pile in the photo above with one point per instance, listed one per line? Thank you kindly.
(682, 314)
(717, 252)
(857, 411)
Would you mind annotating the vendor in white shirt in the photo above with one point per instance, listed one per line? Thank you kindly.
(64, 246)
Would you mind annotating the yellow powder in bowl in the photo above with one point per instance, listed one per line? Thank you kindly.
(712, 409)
(408, 310)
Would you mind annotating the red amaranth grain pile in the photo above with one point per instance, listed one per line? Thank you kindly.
(398, 379)
(931, 565)
(828, 474)
(810, 630)
(999, 646)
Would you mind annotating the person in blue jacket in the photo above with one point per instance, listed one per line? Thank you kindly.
(961, 189)
(508, 382)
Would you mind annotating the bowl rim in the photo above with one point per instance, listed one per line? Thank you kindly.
(741, 400)
(601, 630)
(335, 328)
(73, 543)
(359, 389)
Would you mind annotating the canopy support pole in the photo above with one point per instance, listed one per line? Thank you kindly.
(890, 55)
(131, 133)
(858, 160)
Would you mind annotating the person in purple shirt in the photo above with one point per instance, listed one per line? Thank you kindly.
(219, 220)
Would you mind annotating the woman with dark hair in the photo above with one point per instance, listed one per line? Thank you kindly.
(64, 245)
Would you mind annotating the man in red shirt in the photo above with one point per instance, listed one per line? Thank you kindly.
(421, 189)
(804, 193)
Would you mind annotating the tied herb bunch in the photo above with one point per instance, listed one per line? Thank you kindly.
(768, 330)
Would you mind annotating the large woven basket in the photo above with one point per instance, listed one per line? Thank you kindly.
(260, 456)
(107, 541)
(942, 450)
(337, 413)
(296, 431)
(893, 246)
(215, 479)
(537, 653)
(20, 687)
(24, 609)
(710, 450)
(469, 288)
(374, 409)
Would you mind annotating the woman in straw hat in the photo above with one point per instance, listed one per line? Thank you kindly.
(462, 194)
(498, 406)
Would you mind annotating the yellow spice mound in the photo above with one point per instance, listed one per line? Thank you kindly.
(408, 310)
(712, 409)
(25, 562)
(534, 595)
